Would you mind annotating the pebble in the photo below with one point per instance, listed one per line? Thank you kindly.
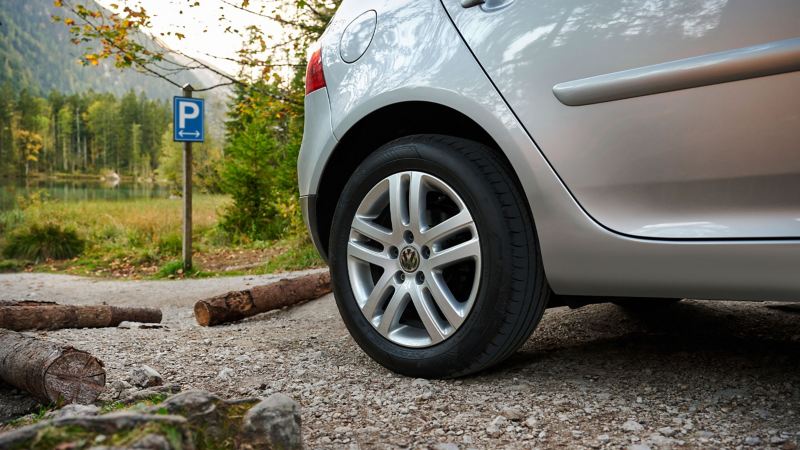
(585, 366)
(145, 376)
(632, 426)
(752, 440)
(512, 413)
(226, 374)
(667, 431)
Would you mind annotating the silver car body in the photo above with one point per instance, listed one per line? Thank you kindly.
(658, 143)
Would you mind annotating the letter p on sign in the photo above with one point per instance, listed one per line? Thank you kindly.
(187, 121)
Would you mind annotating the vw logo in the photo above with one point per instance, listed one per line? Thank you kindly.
(409, 259)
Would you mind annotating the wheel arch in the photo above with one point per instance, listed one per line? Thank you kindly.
(385, 125)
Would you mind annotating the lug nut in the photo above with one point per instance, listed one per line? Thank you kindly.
(409, 236)
(426, 252)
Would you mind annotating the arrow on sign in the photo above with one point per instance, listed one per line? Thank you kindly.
(195, 134)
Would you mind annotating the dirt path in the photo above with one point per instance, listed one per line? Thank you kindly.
(72, 289)
(694, 374)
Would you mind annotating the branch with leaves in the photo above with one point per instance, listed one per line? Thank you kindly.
(116, 34)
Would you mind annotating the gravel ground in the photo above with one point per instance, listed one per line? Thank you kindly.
(690, 375)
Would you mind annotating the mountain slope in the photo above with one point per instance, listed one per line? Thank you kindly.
(37, 54)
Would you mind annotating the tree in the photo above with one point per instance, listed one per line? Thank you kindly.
(30, 144)
(119, 33)
(265, 123)
(205, 164)
(6, 115)
(65, 124)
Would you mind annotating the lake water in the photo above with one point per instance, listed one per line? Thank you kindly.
(78, 190)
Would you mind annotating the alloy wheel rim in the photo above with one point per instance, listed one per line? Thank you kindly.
(414, 259)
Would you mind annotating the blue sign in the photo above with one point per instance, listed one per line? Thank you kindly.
(187, 124)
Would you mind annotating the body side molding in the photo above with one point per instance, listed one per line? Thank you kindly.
(772, 58)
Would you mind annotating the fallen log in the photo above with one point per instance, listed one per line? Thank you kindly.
(50, 372)
(238, 305)
(30, 315)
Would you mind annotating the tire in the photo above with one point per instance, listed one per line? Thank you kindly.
(505, 303)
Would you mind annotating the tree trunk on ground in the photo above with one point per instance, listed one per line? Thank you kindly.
(52, 373)
(28, 315)
(240, 304)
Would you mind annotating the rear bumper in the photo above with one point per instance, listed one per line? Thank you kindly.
(318, 144)
(308, 204)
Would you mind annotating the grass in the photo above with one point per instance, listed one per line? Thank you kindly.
(174, 269)
(141, 239)
(299, 254)
(218, 430)
(41, 242)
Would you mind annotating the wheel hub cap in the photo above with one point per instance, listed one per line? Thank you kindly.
(414, 259)
(409, 259)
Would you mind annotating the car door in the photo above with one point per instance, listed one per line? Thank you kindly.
(677, 119)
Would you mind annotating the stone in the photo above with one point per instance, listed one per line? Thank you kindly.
(73, 410)
(513, 413)
(145, 376)
(152, 442)
(667, 431)
(120, 386)
(445, 446)
(752, 441)
(661, 441)
(496, 426)
(776, 440)
(638, 447)
(225, 374)
(531, 422)
(192, 404)
(632, 426)
(272, 423)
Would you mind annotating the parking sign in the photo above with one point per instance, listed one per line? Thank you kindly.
(188, 119)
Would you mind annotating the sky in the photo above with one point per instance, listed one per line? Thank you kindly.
(177, 15)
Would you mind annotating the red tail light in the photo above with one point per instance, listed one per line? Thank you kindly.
(315, 77)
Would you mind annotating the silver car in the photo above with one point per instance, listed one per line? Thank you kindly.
(468, 163)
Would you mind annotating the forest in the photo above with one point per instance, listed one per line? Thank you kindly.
(109, 118)
(87, 133)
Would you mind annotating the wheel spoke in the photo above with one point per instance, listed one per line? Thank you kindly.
(398, 204)
(393, 311)
(426, 314)
(378, 293)
(372, 231)
(395, 207)
(416, 201)
(444, 299)
(459, 222)
(466, 250)
(360, 252)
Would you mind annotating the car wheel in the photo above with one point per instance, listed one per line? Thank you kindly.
(434, 258)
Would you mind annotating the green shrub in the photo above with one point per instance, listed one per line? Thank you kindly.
(11, 219)
(174, 269)
(170, 269)
(10, 265)
(300, 255)
(260, 170)
(40, 242)
(170, 244)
